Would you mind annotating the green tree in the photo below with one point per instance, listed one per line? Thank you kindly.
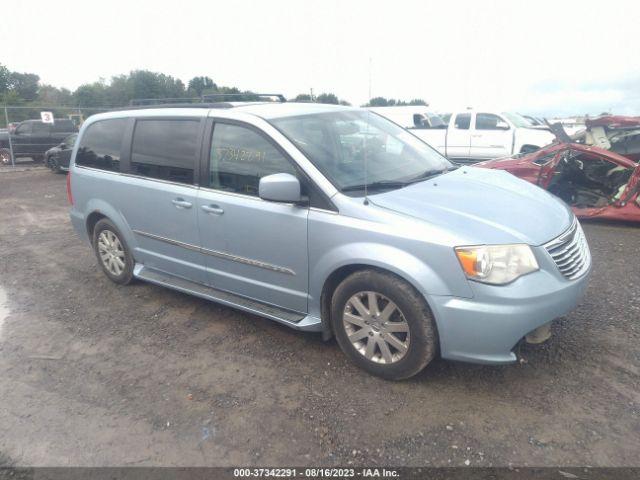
(5, 79)
(327, 98)
(25, 85)
(143, 84)
(199, 85)
(379, 102)
(91, 95)
(303, 97)
(51, 95)
(391, 102)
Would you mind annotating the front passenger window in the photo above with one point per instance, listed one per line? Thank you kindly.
(240, 157)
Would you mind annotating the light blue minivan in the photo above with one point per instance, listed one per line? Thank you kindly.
(328, 219)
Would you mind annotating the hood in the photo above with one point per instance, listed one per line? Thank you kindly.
(482, 206)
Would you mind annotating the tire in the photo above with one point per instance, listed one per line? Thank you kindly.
(112, 252)
(410, 325)
(55, 166)
(5, 156)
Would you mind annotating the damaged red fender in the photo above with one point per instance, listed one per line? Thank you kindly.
(548, 168)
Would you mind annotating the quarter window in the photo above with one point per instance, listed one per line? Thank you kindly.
(463, 121)
(240, 157)
(165, 149)
(101, 143)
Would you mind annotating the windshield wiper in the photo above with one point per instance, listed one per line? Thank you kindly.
(380, 185)
(430, 174)
(383, 184)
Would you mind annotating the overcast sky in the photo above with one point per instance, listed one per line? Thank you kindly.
(536, 57)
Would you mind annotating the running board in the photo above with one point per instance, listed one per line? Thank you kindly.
(295, 320)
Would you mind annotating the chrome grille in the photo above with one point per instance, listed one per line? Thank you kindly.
(570, 252)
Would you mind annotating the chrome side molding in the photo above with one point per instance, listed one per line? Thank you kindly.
(216, 253)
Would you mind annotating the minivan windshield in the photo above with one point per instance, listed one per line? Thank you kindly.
(339, 144)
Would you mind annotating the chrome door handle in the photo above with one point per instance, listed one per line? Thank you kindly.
(181, 203)
(213, 209)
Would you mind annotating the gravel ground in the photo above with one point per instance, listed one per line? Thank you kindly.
(96, 374)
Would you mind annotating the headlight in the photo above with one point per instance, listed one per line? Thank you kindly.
(496, 264)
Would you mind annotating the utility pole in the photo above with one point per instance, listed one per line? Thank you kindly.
(6, 119)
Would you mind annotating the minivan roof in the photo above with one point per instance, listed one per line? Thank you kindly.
(266, 110)
(289, 109)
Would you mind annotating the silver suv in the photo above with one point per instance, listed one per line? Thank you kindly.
(328, 219)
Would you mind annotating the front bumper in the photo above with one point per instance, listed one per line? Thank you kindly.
(485, 328)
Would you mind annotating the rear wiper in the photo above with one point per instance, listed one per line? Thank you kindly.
(380, 185)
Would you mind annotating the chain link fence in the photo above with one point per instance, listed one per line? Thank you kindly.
(29, 133)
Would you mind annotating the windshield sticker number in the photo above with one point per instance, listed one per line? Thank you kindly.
(231, 154)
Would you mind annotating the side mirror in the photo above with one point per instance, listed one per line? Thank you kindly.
(280, 187)
(502, 126)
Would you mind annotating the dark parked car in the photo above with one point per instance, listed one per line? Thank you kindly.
(32, 138)
(57, 158)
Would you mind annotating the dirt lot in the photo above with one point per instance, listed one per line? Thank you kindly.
(96, 374)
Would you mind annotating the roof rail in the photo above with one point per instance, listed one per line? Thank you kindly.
(278, 96)
(179, 105)
(204, 99)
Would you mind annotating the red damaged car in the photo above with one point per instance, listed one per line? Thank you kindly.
(596, 182)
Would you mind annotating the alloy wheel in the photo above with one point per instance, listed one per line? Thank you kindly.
(111, 252)
(376, 327)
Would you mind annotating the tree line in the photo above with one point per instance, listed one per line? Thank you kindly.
(25, 89)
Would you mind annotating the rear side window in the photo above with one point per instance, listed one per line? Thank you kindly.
(63, 126)
(165, 149)
(240, 157)
(463, 120)
(101, 143)
(489, 121)
(40, 128)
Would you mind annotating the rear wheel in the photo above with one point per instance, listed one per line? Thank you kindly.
(383, 324)
(5, 156)
(112, 252)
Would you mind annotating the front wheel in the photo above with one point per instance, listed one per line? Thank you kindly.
(383, 324)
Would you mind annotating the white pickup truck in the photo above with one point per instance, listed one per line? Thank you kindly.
(473, 136)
